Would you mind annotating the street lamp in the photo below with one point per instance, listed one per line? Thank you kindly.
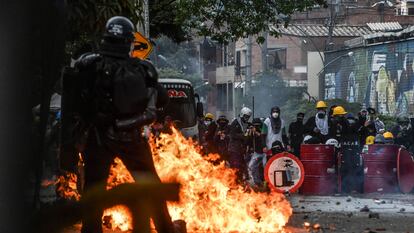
(349, 54)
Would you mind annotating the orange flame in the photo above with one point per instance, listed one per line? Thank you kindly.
(67, 186)
(210, 199)
(118, 216)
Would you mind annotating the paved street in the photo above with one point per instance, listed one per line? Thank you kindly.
(390, 213)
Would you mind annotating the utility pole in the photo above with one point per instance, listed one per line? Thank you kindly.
(333, 11)
(146, 18)
(264, 53)
(143, 27)
(248, 59)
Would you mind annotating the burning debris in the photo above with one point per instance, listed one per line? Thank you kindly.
(66, 187)
(210, 198)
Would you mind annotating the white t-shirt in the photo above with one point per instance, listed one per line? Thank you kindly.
(270, 135)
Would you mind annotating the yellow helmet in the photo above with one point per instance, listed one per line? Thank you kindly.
(370, 140)
(321, 104)
(388, 135)
(339, 111)
(209, 116)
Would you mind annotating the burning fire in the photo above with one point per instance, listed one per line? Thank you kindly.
(118, 216)
(210, 198)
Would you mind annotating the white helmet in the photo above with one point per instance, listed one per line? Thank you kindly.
(246, 111)
(332, 142)
(307, 138)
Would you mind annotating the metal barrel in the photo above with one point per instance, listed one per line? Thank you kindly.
(319, 163)
(380, 169)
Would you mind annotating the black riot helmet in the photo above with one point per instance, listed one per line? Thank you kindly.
(119, 29)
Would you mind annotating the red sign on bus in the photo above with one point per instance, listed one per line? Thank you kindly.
(172, 93)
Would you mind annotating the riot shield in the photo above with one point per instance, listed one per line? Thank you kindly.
(70, 120)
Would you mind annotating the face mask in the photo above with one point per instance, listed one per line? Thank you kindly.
(300, 119)
(321, 115)
(207, 122)
(275, 115)
(245, 118)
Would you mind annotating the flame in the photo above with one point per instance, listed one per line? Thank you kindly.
(210, 198)
(66, 186)
(118, 216)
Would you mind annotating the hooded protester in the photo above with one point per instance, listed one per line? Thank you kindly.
(274, 129)
(370, 124)
(237, 145)
(403, 133)
(296, 130)
(221, 139)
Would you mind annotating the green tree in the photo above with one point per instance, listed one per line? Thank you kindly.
(229, 20)
(86, 19)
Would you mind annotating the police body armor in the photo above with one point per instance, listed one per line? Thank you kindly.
(112, 97)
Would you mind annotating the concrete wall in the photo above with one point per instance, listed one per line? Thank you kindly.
(315, 64)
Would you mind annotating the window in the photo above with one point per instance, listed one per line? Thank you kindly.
(276, 59)
(225, 97)
(225, 56)
(221, 97)
(238, 64)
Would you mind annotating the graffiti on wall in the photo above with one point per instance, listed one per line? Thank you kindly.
(379, 76)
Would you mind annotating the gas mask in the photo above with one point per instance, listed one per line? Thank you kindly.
(321, 114)
(275, 114)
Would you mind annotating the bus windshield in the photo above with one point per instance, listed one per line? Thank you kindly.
(181, 107)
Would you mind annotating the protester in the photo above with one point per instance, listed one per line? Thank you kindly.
(237, 144)
(388, 138)
(274, 129)
(222, 137)
(296, 133)
(209, 133)
(257, 147)
(403, 133)
(344, 129)
(318, 126)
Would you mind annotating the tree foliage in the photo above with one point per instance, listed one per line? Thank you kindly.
(229, 20)
(223, 20)
(86, 19)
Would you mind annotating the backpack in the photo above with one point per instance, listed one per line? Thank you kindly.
(125, 82)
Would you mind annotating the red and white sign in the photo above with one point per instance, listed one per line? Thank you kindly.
(284, 173)
(172, 93)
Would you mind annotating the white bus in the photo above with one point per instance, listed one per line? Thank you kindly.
(184, 106)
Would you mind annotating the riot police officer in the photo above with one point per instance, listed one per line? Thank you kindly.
(118, 96)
